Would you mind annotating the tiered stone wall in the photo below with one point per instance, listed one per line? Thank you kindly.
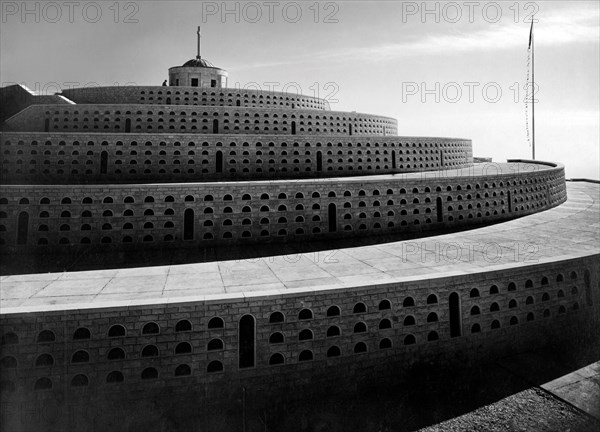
(51, 217)
(162, 119)
(57, 363)
(75, 158)
(153, 95)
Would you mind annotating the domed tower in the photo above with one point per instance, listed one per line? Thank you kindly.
(198, 73)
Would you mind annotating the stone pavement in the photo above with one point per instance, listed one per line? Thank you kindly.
(580, 388)
(569, 403)
(570, 230)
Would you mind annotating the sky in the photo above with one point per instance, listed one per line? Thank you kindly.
(442, 69)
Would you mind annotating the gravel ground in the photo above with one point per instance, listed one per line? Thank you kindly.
(529, 410)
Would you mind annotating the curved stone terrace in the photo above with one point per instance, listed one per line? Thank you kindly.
(569, 231)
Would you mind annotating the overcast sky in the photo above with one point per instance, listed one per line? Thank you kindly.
(389, 58)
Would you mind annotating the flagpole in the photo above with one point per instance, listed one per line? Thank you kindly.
(532, 91)
(199, 41)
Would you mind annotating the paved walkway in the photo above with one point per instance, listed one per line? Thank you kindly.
(535, 410)
(570, 230)
(580, 388)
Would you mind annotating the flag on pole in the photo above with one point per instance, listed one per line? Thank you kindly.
(530, 33)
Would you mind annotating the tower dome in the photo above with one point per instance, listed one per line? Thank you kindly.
(198, 62)
(198, 72)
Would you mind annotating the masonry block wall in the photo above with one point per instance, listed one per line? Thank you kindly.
(77, 158)
(56, 217)
(152, 95)
(294, 343)
(183, 119)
